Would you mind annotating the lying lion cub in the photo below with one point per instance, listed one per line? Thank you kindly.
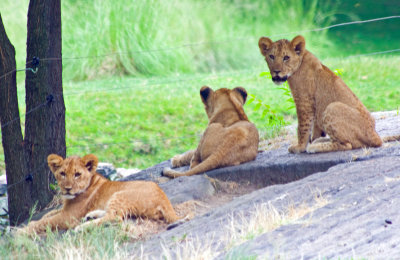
(324, 103)
(230, 139)
(87, 193)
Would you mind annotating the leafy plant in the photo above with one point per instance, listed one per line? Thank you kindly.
(284, 87)
(273, 118)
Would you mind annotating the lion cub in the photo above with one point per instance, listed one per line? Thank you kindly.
(87, 193)
(324, 103)
(230, 139)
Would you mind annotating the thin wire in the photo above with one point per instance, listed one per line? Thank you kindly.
(340, 24)
(200, 77)
(33, 172)
(372, 53)
(7, 73)
(224, 41)
(133, 141)
(27, 113)
(170, 82)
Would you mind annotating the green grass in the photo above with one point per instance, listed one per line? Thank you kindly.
(99, 243)
(150, 120)
(136, 108)
(195, 36)
(165, 114)
(141, 121)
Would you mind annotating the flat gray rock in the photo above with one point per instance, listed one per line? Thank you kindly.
(359, 219)
(188, 188)
(277, 166)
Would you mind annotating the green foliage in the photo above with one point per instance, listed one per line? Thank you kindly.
(158, 37)
(284, 88)
(271, 116)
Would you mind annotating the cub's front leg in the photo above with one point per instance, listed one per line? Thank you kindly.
(59, 221)
(305, 116)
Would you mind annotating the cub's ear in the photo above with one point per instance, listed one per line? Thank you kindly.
(298, 44)
(242, 92)
(54, 161)
(90, 161)
(205, 92)
(264, 44)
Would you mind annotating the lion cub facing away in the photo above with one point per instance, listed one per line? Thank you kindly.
(324, 103)
(87, 193)
(230, 139)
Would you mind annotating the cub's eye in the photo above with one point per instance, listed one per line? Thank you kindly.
(271, 57)
(62, 174)
(77, 175)
(286, 58)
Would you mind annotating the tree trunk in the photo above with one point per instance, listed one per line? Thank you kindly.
(19, 199)
(45, 124)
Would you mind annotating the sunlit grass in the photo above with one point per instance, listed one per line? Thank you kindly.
(139, 122)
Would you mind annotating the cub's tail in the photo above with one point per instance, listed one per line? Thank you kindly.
(391, 138)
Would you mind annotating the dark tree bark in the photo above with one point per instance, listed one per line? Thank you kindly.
(19, 200)
(45, 111)
(45, 126)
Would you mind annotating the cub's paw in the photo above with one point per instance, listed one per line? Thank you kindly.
(313, 148)
(296, 149)
(168, 172)
(22, 231)
(94, 214)
(83, 226)
(29, 230)
(176, 161)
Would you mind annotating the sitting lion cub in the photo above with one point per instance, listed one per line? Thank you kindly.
(230, 139)
(324, 103)
(87, 193)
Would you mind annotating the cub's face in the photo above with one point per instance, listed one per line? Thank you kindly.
(223, 99)
(73, 174)
(283, 57)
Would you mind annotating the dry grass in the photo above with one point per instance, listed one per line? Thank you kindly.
(242, 227)
(286, 135)
(265, 218)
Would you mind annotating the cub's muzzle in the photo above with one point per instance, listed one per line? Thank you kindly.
(279, 80)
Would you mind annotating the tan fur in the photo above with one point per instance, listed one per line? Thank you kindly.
(87, 193)
(324, 103)
(230, 139)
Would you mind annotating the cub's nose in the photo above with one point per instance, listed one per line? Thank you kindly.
(277, 71)
(67, 189)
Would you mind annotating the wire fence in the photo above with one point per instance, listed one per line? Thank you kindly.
(208, 42)
(34, 66)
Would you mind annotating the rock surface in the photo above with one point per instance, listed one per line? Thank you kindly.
(359, 217)
(277, 166)
(188, 188)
